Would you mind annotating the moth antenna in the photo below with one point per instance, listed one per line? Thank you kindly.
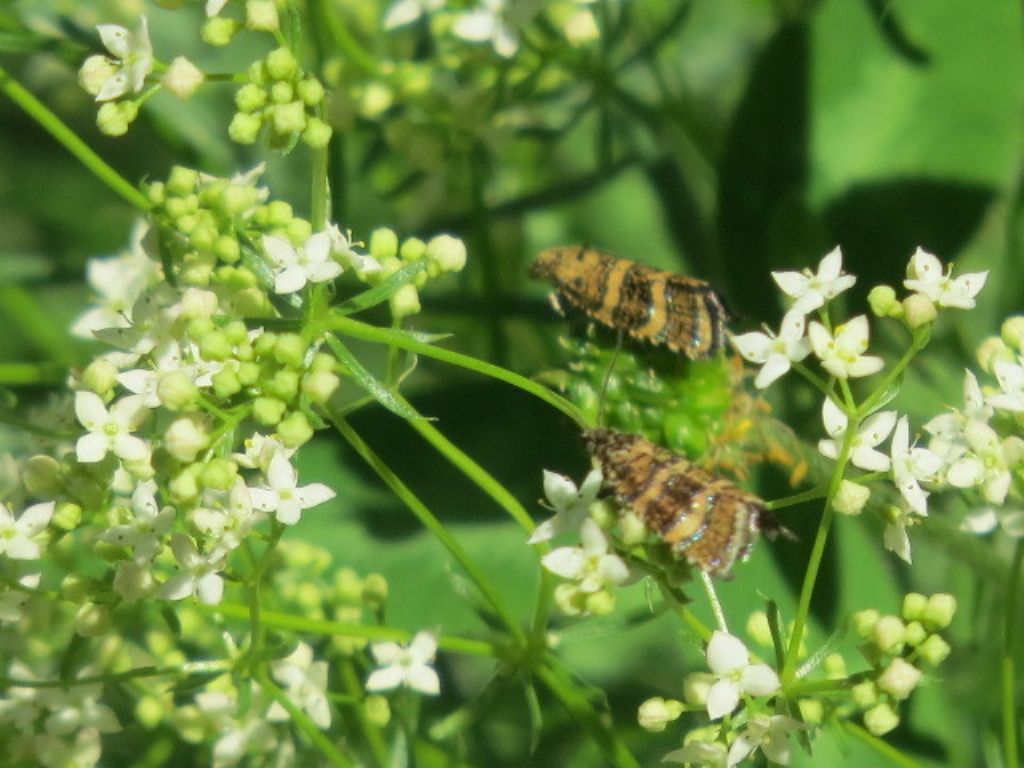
(607, 376)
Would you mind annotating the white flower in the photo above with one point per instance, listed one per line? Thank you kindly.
(405, 666)
(305, 682)
(230, 521)
(590, 565)
(911, 464)
(405, 12)
(706, 753)
(133, 54)
(895, 537)
(118, 281)
(925, 276)
(167, 358)
(238, 735)
(1011, 383)
(198, 574)
(260, 451)
(987, 462)
(775, 353)
(987, 519)
(570, 504)
(872, 431)
(12, 601)
(485, 24)
(842, 353)
(148, 525)
(343, 248)
(17, 536)
(947, 429)
(729, 660)
(110, 430)
(133, 580)
(294, 267)
(283, 497)
(813, 290)
(770, 733)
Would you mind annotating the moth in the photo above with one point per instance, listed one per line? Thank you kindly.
(659, 307)
(706, 519)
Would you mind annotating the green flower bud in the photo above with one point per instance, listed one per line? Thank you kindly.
(864, 622)
(92, 620)
(377, 710)
(864, 694)
(890, 634)
(268, 410)
(279, 213)
(67, 516)
(913, 606)
(835, 666)
(284, 385)
(100, 376)
(238, 198)
(696, 686)
(156, 193)
(140, 470)
(759, 630)
(918, 310)
(182, 181)
(282, 92)
(883, 302)
(264, 344)
(569, 599)
(248, 374)
(41, 476)
(288, 118)
(261, 16)
(448, 252)
(184, 486)
(113, 119)
(182, 78)
(412, 249)
(204, 234)
(656, 713)
(245, 128)
(281, 64)
(197, 303)
(899, 679)
(1012, 332)
(95, 71)
(250, 98)
(322, 362)
(226, 248)
(881, 719)
(375, 100)
(375, 591)
(318, 386)
(851, 497)
(634, 529)
(215, 346)
(298, 230)
(993, 350)
(76, 588)
(219, 473)
(185, 438)
(349, 587)
(295, 430)
(383, 243)
(812, 711)
(317, 134)
(290, 349)
(938, 614)
(916, 634)
(600, 603)
(219, 30)
(150, 711)
(934, 650)
(176, 390)
(310, 91)
(404, 302)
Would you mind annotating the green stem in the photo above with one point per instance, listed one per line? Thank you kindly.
(881, 747)
(14, 374)
(354, 687)
(255, 617)
(432, 524)
(192, 668)
(63, 134)
(797, 498)
(813, 378)
(287, 621)
(1008, 663)
(307, 726)
(817, 554)
(366, 332)
(716, 604)
(920, 341)
(320, 193)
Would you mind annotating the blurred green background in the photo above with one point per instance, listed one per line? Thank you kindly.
(723, 139)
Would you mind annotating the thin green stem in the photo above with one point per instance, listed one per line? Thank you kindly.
(357, 330)
(71, 142)
(190, 668)
(305, 724)
(432, 524)
(716, 604)
(1009, 676)
(320, 193)
(13, 374)
(816, 380)
(919, 342)
(811, 494)
(883, 748)
(255, 587)
(817, 554)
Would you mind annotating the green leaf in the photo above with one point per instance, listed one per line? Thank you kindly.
(535, 714)
(381, 293)
(371, 383)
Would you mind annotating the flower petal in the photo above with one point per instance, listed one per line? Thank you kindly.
(89, 409)
(567, 562)
(91, 448)
(424, 679)
(313, 494)
(385, 679)
(726, 653)
(775, 366)
(759, 680)
(723, 698)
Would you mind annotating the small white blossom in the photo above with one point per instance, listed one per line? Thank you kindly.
(987, 519)
(198, 574)
(343, 248)
(570, 504)
(947, 429)
(842, 353)
(911, 464)
(925, 276)
(18, 535)
(283, 496)
(405, 12)
(813, 290)
(486, 24)
(167, 358)
(775, 354)
(590, 565)
(133, 60)
(260, 451)
(405, 666)
(305, 683)
(770, 733)
(895, 537)
(110, 431)
(148, 525)
(987, 462)
(294, 267)
(230, 521)
(729, 660)
(12, 601)
(1011, 384)
(238, 735)
(872, 431)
